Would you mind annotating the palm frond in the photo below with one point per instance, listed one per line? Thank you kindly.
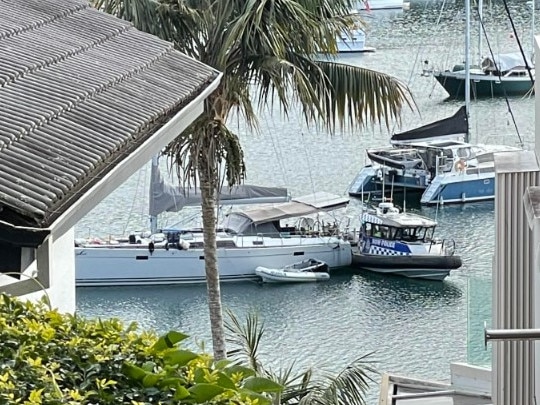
(207, 146)
(245, 338)
(347, 388)
(361, 95)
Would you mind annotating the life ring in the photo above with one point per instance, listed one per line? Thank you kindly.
(460, 165)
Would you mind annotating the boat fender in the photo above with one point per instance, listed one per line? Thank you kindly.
(183, 245)
(151, 247)
(379, 174)
(461, 165)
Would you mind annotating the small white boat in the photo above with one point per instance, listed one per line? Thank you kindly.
(353, 41)
(304, 271)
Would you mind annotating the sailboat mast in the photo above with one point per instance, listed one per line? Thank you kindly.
(480, 30)
(467, 60)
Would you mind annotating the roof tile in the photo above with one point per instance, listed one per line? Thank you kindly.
(78, 90)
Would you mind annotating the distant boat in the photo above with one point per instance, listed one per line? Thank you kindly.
(432, 163)
(498, 75)
(369, 5)
(403, 244)
(505, 75)
(353, 41)
(308, 270)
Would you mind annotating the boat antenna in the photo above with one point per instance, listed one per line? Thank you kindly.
(392, 189)
(404, 199)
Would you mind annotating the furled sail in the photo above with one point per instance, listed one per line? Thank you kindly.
(166, 197)
(454, 126)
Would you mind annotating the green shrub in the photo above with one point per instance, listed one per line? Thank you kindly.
(51, 358)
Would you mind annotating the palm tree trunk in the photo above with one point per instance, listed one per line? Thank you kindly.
(208, 203)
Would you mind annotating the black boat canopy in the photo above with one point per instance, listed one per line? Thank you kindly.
(456, 125)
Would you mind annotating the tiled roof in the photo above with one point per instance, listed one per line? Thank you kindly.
(79, 91)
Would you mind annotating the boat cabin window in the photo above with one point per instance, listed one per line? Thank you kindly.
(379, 231)
(414, 234)
(463, 152)
(410, 234)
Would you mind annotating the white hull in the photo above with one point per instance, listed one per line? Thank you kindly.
(136, 265)
(354, 41)
(282, 276)
(381, 4)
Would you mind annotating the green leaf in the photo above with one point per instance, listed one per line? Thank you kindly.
(179, 357)
(171, 382)
(181, 393)
(262, 399)
(148, 366)
(133, 371)
(168, 341)
(225, 382)
(221, 364)
(150, 380)
(246, 372)
(261, 384)
(205, 392)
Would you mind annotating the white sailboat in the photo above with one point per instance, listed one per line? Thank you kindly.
(262, 236)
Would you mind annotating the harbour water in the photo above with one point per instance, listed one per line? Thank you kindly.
(411, 327)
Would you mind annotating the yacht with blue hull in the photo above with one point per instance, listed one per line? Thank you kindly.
(437, 169)
(473, 181)
(408, 165)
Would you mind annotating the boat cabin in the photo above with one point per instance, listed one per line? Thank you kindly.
(288, 219)
(388, 224)
(507, 64)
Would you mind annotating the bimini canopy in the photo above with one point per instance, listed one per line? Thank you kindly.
(454, 126)
(506, 61)
(401, 158)
(243, 220)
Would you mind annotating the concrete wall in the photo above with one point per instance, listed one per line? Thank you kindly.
(61, 273)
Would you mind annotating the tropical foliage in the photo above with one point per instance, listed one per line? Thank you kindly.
(349, 387)
(269, 53)
(51, 358)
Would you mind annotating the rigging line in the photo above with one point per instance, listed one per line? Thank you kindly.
(500, 78)
(419, 48)
(518, 41)
(308, 160)
(278, 152)
(130, 213)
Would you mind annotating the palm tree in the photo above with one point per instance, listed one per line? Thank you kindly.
(347, 388)
(267, 51)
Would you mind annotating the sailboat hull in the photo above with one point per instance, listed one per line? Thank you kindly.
(483, 85)
(138, 265)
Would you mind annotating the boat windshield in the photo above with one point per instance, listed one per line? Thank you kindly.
(406, 234)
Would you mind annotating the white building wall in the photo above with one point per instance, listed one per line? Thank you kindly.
(61, 292)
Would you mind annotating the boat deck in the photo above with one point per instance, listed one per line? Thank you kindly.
(396, 390)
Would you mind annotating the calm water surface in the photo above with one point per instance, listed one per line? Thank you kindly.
(411, 327)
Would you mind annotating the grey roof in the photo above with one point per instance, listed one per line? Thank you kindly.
(79, 91)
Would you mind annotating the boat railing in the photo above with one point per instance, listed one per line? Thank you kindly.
(448, 246)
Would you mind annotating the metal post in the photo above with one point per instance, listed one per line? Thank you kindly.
(511, 334)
